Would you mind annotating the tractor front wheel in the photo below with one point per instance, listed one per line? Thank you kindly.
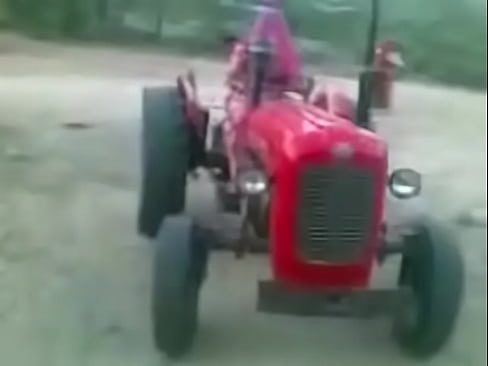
(180, 262)
(432, 273)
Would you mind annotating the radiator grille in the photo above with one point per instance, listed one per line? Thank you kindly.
(335, 206)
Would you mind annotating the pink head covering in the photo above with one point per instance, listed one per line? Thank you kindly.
(271, 25)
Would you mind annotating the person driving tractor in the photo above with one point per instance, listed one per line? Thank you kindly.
(283, 73)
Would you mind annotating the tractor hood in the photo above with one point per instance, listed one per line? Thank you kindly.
(292, 131)
(309, 154)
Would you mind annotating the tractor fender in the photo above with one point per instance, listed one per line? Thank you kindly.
(196, 114)
(334, 101)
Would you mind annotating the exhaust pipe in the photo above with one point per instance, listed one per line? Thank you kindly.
(366, 78)
(260, 58)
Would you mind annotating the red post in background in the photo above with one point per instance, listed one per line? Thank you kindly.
(387, 60)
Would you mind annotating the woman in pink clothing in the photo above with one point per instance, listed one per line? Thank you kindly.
(270, 25)
(283, 75)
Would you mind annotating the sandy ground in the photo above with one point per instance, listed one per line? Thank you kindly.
(74, 277)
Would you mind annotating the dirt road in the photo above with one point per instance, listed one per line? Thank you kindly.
(74, 278)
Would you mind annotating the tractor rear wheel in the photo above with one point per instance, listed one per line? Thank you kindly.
(432, 269)
(179, 269)
(165, 158)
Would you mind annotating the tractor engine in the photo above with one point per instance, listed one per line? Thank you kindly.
(326, 181)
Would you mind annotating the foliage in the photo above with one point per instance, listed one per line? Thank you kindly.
(444, 40)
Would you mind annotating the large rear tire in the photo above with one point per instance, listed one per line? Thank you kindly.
(165, 158)
(432, 269)
(179, 269)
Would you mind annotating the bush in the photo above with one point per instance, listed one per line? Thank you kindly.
(48, 17)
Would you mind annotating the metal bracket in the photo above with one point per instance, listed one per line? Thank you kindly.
(390, 249)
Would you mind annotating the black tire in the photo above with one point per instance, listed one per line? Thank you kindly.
(179, 269)
(433, 269)
(197, 144)
(165, 158)
(258, 213)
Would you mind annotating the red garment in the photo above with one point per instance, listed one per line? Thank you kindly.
(387, 60)
(388, 56)
(270, 24)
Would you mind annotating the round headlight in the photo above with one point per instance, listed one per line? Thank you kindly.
(405, 183)
(252, 182)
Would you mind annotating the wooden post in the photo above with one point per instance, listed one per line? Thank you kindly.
(159, 19)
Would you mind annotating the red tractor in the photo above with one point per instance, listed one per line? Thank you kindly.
(306, 172)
